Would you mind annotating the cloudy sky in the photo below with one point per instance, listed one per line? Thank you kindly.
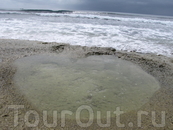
(156, 7)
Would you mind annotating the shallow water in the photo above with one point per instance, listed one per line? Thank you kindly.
(54, 82)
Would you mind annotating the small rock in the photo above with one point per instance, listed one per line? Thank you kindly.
(44, 42)
(59, 48)
(161, 66)
(5, 115)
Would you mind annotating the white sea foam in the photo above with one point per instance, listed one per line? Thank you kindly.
(98, 16)
(13, 12)
(131, 34)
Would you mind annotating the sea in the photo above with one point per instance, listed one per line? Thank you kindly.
(122, 31)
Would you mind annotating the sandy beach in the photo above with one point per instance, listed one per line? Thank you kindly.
(159, 66)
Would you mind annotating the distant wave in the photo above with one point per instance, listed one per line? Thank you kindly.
(11, 12)
(34, 11)
(89, 15)
(45, 11)
(103, 17)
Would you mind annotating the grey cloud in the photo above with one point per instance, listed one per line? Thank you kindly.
(156, 7)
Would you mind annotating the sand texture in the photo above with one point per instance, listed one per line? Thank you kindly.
(161, 67)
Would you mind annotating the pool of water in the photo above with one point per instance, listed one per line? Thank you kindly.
(56, 82)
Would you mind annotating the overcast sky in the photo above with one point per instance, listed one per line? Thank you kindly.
(156, 7)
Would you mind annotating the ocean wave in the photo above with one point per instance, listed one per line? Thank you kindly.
(131, 34)
(102, 17)
(28, 11)
(45, 11)
(120, 37)
(88, 15)
(12, 12)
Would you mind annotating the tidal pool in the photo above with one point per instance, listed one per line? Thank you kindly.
(56, 82)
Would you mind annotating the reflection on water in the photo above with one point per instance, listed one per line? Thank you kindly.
(52, 82)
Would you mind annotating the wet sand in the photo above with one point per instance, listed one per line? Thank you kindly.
(160, 67)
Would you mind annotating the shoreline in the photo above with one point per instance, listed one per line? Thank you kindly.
(161, 67)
